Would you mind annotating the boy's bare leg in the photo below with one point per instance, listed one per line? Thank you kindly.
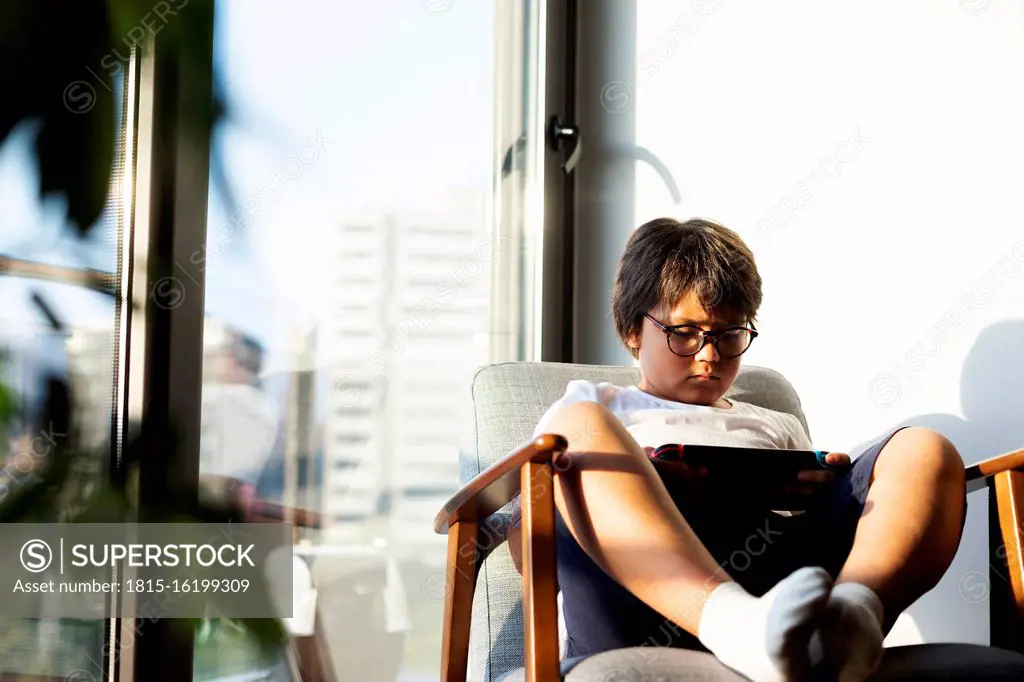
(905, 540)
(912, 522)
(617, 508)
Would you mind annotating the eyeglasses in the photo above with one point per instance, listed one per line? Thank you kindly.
(687, 340)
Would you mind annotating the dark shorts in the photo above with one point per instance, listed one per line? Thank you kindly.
(757, 548)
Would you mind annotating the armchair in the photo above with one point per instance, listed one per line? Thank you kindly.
(500, 626)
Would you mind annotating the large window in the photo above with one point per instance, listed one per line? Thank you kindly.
(349, 295)
(375, 234)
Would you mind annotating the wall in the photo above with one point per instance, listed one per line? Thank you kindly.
(870, 154)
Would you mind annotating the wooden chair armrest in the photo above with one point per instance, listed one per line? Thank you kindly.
(492, 488)
(529, 468)
(978, 473)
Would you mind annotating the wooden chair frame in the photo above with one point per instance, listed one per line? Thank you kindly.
(531, 468)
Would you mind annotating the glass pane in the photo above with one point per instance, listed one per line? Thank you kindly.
(51, 330)
(349, 294)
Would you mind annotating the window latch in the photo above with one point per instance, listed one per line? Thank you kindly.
(559, 135)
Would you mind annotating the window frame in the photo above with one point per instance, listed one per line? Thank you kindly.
(163, 362)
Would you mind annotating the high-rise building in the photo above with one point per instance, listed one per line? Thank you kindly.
(410, 328)
(355, 429)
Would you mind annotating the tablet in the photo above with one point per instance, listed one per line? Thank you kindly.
(735, 459)
(762, 472)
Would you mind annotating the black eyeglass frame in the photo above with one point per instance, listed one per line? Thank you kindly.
(714, 336)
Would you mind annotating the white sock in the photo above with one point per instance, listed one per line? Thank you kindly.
(767, 638)
(850, 636)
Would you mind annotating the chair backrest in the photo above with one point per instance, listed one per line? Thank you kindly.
(509, 400)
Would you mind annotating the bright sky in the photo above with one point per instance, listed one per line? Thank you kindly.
(405, 98)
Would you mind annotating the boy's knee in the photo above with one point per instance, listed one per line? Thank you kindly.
(581, 423)
(934, 450)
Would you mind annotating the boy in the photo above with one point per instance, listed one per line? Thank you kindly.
(642, 553)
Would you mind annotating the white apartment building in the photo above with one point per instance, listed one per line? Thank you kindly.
(411, 327)
(355, 428)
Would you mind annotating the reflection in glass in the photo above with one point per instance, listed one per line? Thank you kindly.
(350, 298)
(53, 331)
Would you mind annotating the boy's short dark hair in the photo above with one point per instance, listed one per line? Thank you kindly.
(666, 259)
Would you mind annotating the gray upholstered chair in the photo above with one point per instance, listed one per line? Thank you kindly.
(484, 624)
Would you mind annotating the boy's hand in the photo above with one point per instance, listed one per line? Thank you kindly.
(679, 470)
(812, 481)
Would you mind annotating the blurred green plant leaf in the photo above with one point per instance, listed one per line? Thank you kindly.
(60, 67)
(9, 406)
(46, 48)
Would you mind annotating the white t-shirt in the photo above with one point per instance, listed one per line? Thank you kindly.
(655, 421)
